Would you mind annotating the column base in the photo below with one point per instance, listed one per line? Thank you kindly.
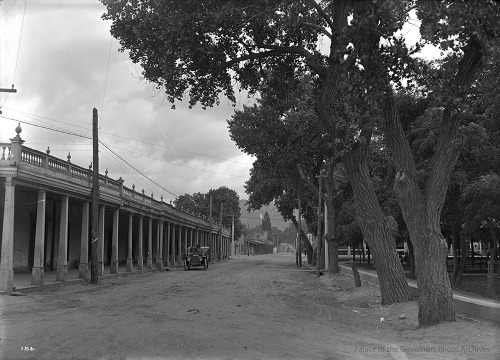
(113, 267)
(159, 263)
(62, 273)
(100, 268)
(130, 266)
(150, 263)
(140, 264)
(37, 276)
(83, 270)
(6, 280)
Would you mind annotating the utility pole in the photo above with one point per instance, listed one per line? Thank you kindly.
(7, 91)
(232, 236)
(95, 199)
(300, 233)
(319, 232)
(210, 239)
(219, 245)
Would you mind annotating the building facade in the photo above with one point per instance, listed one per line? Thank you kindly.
(46, 221)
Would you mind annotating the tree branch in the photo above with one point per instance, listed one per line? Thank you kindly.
(319, 28)
(311, 185)
(276, 50)
(252, 56)
(321, 13)
(447, 150)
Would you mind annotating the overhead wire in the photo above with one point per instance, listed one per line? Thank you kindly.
(129, 138)
(106, 80)
(135, 153)
(19, 43)
(17, 55)
(126, 162)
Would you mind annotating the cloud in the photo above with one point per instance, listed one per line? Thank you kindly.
(68, 63)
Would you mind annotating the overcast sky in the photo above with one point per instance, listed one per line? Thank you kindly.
(63, 61)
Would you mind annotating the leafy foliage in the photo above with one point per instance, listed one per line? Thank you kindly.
(199, 204)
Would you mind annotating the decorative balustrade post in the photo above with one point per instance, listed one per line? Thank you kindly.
(16, 147)
(69, 165)
(89, 175)
(120, 187)
(45, 160)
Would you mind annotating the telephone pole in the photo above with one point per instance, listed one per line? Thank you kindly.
(219, 246)
(319, 232)
(95, 200)
(300, 233)
(210, 238)
(232, 237)
(7, 91)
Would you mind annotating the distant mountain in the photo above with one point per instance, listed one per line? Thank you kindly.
(252, 219)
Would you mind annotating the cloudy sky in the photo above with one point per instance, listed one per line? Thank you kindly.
(63, 61)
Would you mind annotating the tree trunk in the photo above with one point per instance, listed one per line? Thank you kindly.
(333, 245)
(355, 274)
(376, 232)
(411, 259)
(304, 241)
(435, 302)
(421, 208)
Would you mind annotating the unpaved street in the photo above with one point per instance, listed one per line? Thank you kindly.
(257, 307)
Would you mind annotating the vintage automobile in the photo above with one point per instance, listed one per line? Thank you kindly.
(196, 257)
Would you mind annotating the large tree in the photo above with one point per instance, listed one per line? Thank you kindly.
(196, 48)
(482, 210)
(199, 204)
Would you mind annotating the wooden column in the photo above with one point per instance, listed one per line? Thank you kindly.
(167, 254)
(150, 243)
(174, 254)
(130, 265)
(100, 241)
(83, 266)
(38, 259)
(114, 243)
(159, 245)
(140, 263)
(185, 242)
(7, 258)
(62, 259)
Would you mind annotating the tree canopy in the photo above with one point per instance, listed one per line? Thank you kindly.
(197, 49)
(199, 204)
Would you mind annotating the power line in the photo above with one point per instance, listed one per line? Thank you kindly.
(88, 137)
(19, 44)
(172, 163)
(175, 149)
(34, 116)
(128, 138)
(106, 81)
(122, 159)
(47, 127)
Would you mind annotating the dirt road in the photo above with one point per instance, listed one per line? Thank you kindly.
(257, 307)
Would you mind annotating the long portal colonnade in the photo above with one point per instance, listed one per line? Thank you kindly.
(46, 221)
